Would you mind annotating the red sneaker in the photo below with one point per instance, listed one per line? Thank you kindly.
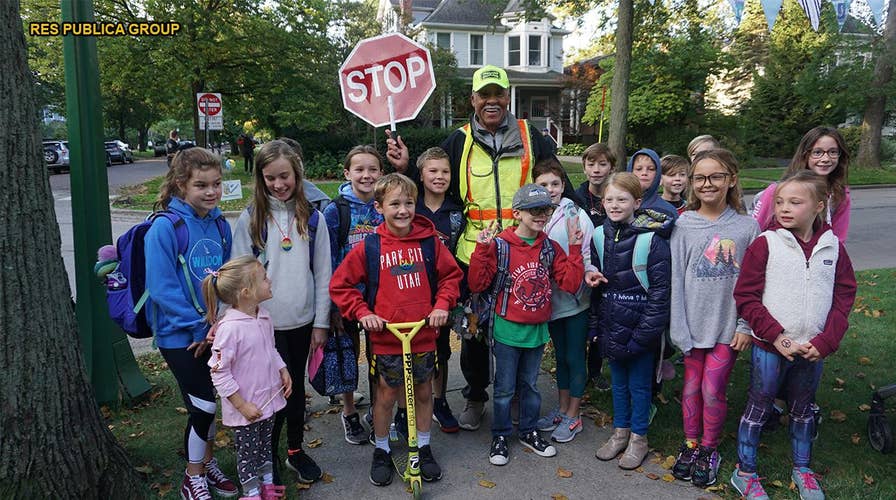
(218, 481)
(194, 488)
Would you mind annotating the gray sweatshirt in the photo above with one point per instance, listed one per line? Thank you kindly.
(706, 258)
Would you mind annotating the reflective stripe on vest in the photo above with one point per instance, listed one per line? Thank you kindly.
(484, 199)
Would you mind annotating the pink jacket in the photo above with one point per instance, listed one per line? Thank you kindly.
(244, 360)
(764, 211)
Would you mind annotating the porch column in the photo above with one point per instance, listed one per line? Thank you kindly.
(513, 100)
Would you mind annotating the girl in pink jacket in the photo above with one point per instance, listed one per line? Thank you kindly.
(247, 371)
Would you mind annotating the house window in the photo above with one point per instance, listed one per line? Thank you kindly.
(549, 54)
(443, 41)
(513, 51)
(476, 50)
(534, 50)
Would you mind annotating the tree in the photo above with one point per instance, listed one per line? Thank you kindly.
(54, 443)
(876, 102)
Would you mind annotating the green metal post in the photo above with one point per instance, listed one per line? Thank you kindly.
(108, 357)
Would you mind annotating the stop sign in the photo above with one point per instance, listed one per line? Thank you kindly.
(386, 66)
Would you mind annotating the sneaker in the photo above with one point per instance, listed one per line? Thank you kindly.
(371, 438)
(217, 481)
(816, 414)
(567, 430)
(441, 413)
(368, 417)
(706, 467)
(354, 431)
(429, 468)
(602, 384)
(357, 397)
(748, 486)
(515, 410)
(806, 483)
(272, 492)
(194, 488)
(401, 422)
(381, 468)
(307, 470)
(550, 421)
(497, 455)
(534, 442)
(471, 417)
(684, 464)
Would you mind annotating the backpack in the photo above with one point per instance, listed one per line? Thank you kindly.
(639, 257)
(312, 234)
(345, 220)
(456, 221)
(372, 254)
(126, 291)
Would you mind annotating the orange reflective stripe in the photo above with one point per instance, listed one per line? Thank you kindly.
(524, 135)
(489, 214)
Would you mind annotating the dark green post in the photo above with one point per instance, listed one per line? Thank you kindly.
(108, 357)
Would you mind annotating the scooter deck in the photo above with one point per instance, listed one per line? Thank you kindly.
(399, 455)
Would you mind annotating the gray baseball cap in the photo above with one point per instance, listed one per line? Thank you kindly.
(531, 196)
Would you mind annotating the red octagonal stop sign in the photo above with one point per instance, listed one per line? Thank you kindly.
(386, 66)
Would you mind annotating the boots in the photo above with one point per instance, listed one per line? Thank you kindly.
(614, 445)
(635, 453)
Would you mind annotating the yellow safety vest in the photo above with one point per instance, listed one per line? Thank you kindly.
(485, 197)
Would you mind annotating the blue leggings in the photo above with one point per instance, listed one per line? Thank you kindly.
(769, 371)
(569, 336)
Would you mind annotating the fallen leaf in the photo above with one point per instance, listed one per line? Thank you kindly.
(303, 486)
(860, 375)
(792, 486)
(164, 489)
(669, 478)
(867, 479)
(777, 483)
(105, 411)
(563, 473)
(554, 370)
(662, 399)
(528, 450)
(315, 443)
(718, 487)
(864, 360)
(864, 407)
(306, 427)
(668, 463)
(333, 410)
(855, 438)
(327, 478)
(167, 472)
(838, 416)
(111, 427)
(840, 381)
(559, 496)
(486, 484)
(656, 460)
(181, 410)
(144, 469)
(640, 470)
(651, 475)
(480, 475)
(877, 313)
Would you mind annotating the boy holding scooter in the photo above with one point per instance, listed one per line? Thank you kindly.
(408, 274)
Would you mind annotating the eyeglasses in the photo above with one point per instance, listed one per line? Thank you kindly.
(818, 153)
(539, 211)
(714, 179)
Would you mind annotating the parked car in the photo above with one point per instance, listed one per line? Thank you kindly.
(118, 152)
(56, 155)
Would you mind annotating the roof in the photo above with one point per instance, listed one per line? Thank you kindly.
(522, 78)
(463, 12)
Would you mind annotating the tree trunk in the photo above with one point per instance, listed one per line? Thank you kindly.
(876, 103)
(622, 69)
(53, 441)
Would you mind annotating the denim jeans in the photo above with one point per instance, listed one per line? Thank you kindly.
(632, 384)
(516, 370)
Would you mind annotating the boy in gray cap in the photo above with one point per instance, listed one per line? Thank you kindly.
(516, 268)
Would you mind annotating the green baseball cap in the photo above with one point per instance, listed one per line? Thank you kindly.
(487, 75)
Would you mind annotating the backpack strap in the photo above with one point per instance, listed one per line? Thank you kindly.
(345, 219)
(456, 220)
(639, 258)
(428, 247)
(182, 235)
(312, 236)
(372, 258)
(546, 255)
(501, 278)
(264, 234)
(598, 238)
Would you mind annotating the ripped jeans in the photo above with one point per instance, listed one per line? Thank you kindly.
(768, 371)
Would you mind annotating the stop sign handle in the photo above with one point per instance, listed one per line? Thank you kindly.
(391, 113)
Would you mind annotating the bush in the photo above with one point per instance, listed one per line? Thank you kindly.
(574, 149)
(887, 148)
(323, 165)
(852, 135)
(419, 140)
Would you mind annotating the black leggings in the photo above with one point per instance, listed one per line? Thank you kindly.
(195, 383)
(293, 346)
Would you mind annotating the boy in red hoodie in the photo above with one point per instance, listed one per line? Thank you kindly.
(403, 294)
(521, 289)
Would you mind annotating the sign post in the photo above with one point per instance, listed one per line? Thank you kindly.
(386, 79)
(211, 115)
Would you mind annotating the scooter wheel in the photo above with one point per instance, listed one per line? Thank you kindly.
(416, 488)
(880, 435)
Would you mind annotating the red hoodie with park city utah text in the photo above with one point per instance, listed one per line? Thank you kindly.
(404, 292)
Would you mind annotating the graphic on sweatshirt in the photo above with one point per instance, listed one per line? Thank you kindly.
(405, 265)
(362, 226)
(718, 259)
(205, 254)
(531, 286)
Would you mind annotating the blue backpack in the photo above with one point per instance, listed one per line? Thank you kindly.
(639, 257)
(126, 291)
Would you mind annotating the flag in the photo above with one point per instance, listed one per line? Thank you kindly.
(771, 9)
(841, 8)
(812, 8)
(738, 7)
(877, 8)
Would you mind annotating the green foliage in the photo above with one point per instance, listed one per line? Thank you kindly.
(324, 165)
(419, 140)
(573, 149)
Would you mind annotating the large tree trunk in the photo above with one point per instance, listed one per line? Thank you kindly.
(875, 104)
(53, 441)
(622, 69)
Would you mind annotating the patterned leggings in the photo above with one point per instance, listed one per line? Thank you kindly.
(253, 452)
(703, 401)
(768, 372)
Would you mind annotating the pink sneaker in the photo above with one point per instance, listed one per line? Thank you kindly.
(194, 488)
(217, 481)
(272, 491)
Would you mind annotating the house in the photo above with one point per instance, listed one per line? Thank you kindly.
(479, 34)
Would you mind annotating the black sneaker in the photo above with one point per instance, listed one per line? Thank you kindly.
(381, 468)
(401, 422)
(534, 442)
(497, 455)
(354, 431)
(429, 469)
(706, 467)
(441, 413)
(684, 464)
(371, 438)
(307, 470)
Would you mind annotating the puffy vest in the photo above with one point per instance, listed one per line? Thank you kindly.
(798, 292)
(487, 186)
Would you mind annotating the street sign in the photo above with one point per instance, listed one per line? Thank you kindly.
(383, 69)
(210, 107)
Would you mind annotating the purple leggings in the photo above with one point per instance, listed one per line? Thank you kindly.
(703, 401)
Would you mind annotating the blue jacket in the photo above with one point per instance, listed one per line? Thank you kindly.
(364, 221)
(170, 309)
(651, 198)
(630, 320)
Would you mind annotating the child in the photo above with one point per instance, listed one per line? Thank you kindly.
(522, 308)
(317, 198)
(350, 218)
(192, 189)
(796, 289)
(404, 293)
(645, 164)
(448, 218)
(568, 325)
(708, 245)
(633, 316)
(823, 151)
(702, 143)
(275, 229)
(675, 180)
(248, 374)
